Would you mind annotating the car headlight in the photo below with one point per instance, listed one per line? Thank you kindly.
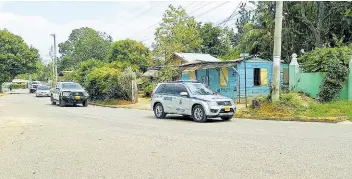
(212, 103)
(66, 93)
(85, 93)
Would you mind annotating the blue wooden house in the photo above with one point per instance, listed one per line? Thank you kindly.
(229, 78)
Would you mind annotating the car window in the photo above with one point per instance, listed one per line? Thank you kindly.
(199, 89)
(160, 89)
(169, 89)
(180, 88)
(166, 89)
(43, 88)
(71, 86)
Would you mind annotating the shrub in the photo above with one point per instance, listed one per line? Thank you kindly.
(18, 86)
(335, 62)
(99, 81)
(125, 83)
(109, 83)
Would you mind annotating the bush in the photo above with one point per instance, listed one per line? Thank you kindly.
(335, 62)
(125, 83)
(333, 82)
(18, 86)
(109, 83)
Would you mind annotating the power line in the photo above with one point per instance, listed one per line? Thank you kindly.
(212, 9)
(241, 4)
(199, 16)
(201, 7)
(156, 23)
(135, 17)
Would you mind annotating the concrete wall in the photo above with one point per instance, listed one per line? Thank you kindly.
(310, 82)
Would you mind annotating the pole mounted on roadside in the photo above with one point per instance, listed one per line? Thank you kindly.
(275, 94)
(54, 59)
(244, 55)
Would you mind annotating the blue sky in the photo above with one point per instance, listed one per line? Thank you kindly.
(34, 21)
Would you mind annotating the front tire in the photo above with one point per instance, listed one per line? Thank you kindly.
(85, 103)
(198, 114)
(52, 101)
(159, 111)
(62, 103)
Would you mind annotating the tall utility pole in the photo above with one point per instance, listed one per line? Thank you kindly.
(275, 94)
(51, 54)
(54, 59)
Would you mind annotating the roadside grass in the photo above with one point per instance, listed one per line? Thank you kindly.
(143, 103)
(298, 107)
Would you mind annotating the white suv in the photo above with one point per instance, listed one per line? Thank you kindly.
(190, 99)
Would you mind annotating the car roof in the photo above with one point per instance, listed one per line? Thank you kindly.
(182, 82)
(67, 82)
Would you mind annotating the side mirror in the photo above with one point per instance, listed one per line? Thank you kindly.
(183, 94)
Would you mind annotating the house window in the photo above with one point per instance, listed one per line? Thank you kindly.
(256, 76)
(192, 75)
(286, 76)
(260, 76)
(224, 74)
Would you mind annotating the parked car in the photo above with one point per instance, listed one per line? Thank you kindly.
(193, 99)
(43, 91)
(69, 93)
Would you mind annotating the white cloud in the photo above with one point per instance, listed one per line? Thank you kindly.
(36, 30)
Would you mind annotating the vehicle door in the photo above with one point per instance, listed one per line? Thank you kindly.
(168, 96)
(181, 104)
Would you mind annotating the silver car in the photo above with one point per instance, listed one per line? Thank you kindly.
(190, 99)
(43, 91)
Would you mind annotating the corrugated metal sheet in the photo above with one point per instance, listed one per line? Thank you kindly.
(152, 73)
(193, 57)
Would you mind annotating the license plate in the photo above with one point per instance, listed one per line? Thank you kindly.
(227, 108)
(77, 97)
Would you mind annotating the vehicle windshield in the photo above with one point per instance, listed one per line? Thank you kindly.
(71, 86)
(199, 89)
(43, 88)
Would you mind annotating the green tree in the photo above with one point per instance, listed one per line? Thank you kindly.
(83, 44)
(306, 25)
(16, 57)
(215, 40)
(131, 52)
(80, 75)
(177, 32)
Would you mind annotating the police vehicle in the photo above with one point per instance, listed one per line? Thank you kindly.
(190, 98)
(69, 93)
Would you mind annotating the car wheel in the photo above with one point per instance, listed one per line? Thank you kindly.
(62, 103)
(85, 103)
(226, 118)
(159, 111)
(198, 114)
(52, 101)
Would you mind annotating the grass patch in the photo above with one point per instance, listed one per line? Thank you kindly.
(298, 107)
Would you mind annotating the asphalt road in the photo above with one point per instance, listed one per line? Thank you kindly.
(38, 140)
